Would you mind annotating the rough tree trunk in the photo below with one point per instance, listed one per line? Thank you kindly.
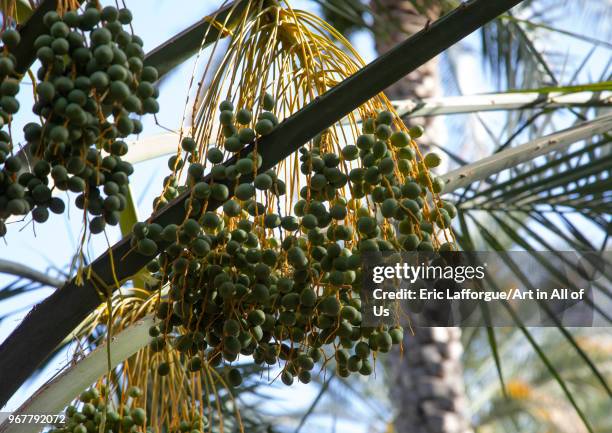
(426, 380)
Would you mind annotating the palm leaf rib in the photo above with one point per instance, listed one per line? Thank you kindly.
(464, 176)
(56, 394)
(182, 46)
(164, 143)
(503, 101)
(23, 271)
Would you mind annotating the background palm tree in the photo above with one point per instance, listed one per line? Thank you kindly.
(426, 379)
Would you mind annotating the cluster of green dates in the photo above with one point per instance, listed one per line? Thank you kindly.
(11, 193)
(394, 182)
(92, 89)
(285, 288)
(90, 411)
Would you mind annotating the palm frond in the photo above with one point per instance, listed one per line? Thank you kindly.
(22, 271)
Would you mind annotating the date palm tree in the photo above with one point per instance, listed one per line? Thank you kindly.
(429, 373)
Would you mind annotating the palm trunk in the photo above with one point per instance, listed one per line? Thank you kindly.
(426, 380)
(425, 81)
